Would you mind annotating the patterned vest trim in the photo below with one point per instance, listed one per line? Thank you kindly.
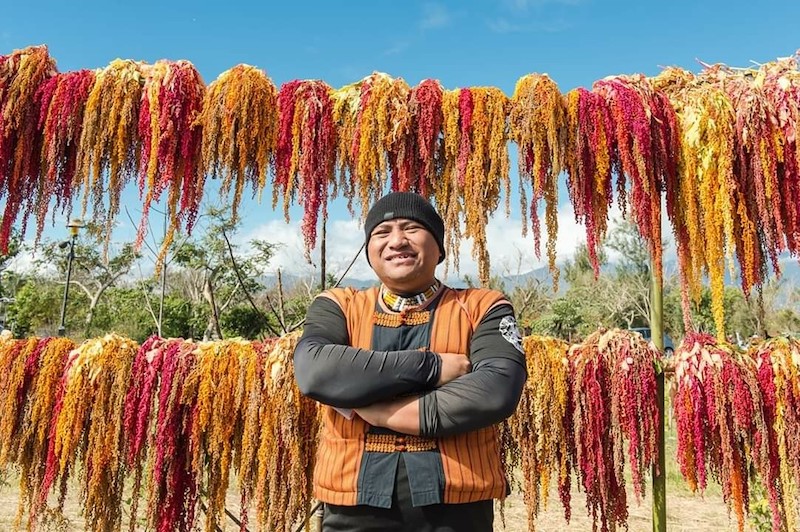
(472, 467)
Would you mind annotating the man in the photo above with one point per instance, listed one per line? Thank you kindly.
(415, 376)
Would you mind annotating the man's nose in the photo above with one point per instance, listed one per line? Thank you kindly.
(398, 238)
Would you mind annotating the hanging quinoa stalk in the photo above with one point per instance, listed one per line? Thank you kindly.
(539, 425)
(673, 82)
(447, 191)
(646, 141)
(211, 390)
(288, 440)
(240, 128)
(538, 125)
(43, 369)
(14, 365)
(139, 402)
(21, 74)
(720, 420)
(345, 117)
(401, 140)
(782, 90)
(373, 134)
(426, 107)
(87, 423)
(482, 165)
(171, 141)
(173, 489)
(287, 150)
(614, 404)
(710, 216)
(589, 158)
(633, 403)
(61, 100)
(778, 373)
(109, 146)
(306, 153)
(594, 442)
(758, 155)
(253, 396)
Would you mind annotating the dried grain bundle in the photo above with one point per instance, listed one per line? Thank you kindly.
(174, 487)
(240, 129)
(382, 121)
(538, 125)
(782, 90)
(345, 117)
(137, 419)
(252, 394)
(778, 373)
(447, 191)
(288, 441)
(306, 154)
(588, 160)
(109, 150)
(646, 140)
(87, 425)
(61, 101)
(758, 157)
(708, 209)
(43, 369)
(426, 108)
(614, 403)
(482, 165)
(171, 141)
(720, 420)
(540, 425)
(17, 363)
(21, 74)
(211, 390)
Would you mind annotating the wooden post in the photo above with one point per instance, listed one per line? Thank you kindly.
(659, 468)
(322, 250)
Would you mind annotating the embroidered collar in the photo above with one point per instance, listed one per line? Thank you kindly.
(399, 303)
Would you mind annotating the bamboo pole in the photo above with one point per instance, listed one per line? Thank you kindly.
(659, 470)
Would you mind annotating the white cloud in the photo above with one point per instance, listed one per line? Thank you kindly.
(434, 16)
(502, 25)
(344, 239)
(524, 5)
(397, 48)
(25, 263)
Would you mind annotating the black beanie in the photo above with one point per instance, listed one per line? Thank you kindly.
(410, 206)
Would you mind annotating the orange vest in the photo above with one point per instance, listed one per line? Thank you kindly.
(472, 467)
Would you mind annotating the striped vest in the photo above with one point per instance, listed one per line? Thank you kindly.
(471, 462)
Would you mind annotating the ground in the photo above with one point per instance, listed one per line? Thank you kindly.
(685, 511)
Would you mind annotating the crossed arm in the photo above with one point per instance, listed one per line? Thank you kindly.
(402, 390)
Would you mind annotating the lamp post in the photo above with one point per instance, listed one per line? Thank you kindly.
(74, 227)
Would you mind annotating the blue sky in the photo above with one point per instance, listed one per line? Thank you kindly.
(468, 43)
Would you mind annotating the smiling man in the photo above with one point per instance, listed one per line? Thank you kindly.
(414, 377)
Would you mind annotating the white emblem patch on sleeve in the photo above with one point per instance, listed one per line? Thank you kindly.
(510, 331)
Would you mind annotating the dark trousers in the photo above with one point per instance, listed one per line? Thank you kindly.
(403, 517)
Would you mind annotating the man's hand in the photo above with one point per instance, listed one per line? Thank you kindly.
(400, 415)
(454, 365)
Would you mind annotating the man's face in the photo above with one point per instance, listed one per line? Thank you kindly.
(404, 255)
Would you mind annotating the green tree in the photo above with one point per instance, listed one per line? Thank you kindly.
(35, 311)
(94, 270)
(211, 270)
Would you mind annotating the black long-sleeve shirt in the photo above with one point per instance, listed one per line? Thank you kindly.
(330, 371)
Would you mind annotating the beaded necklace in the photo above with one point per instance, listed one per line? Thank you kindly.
(399, 303)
